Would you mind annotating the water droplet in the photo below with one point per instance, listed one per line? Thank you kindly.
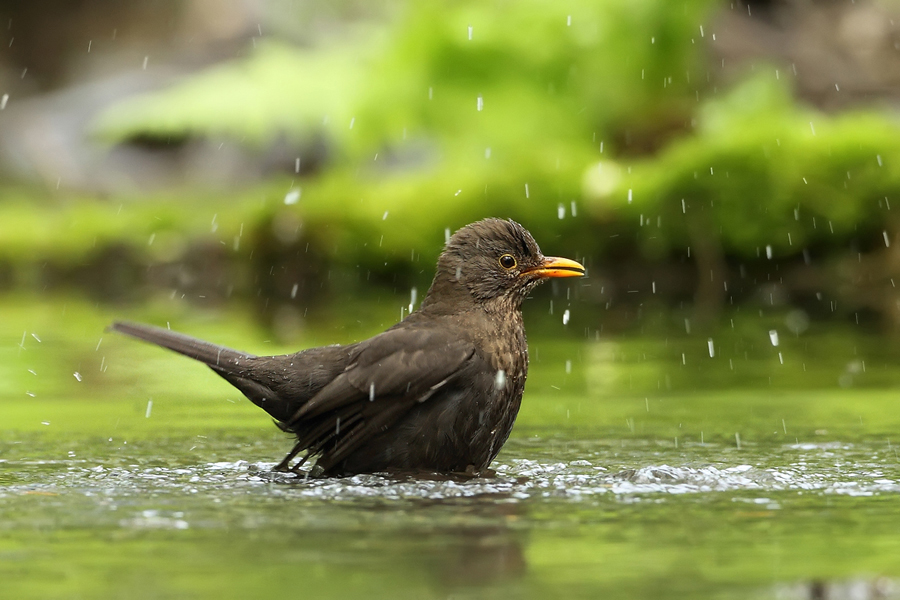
(566, 317)
(773, 337)
(77, 376)
(149, 408)
(712, 348)
(561, 211)
(292, 197)
(479, 103)
(500, 379)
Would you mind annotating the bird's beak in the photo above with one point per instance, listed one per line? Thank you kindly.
(554, 266)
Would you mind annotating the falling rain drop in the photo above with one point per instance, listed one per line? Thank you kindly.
(371, 392)
(773, 337)
(629, 195)
(500, 379)
(568, 367)
(3, 100)
(77, 376)
(413, 293)
(470, 32)
(769, 252)
(479, 103)
(292, 197)
(294, 290)
(712, 348)
(149, 408)
(561, 211)
(446, 234)
(566, 317)
(887, 241)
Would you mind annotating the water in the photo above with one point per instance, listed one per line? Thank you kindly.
(623, 477)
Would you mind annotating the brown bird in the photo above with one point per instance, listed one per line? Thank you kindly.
(437, 392)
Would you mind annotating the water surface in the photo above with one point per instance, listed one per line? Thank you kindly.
(640, 467)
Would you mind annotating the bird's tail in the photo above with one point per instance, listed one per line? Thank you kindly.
(219, 358)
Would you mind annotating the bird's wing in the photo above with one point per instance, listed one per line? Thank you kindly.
(387, 376)
(399, 363)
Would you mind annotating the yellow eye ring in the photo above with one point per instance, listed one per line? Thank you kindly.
(508, 261)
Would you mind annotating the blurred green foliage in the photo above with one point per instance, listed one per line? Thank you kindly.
(761, 171)
(599, 125)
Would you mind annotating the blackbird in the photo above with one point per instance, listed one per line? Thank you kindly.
(437, 392)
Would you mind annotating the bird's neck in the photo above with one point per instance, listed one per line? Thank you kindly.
(448, 296)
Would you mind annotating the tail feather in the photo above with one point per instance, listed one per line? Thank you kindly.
(217, 357)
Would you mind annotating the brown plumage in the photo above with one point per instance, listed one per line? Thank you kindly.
(438, 391)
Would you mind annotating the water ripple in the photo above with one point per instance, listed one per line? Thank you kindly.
(818, 469)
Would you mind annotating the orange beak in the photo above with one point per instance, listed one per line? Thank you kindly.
(554, 266)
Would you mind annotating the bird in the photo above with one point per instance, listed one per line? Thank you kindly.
(437, 392)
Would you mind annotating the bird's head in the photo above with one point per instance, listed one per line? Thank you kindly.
(495, 259)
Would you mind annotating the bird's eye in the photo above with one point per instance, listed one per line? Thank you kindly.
(507, 261)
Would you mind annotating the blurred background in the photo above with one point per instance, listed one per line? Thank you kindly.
(701, 157)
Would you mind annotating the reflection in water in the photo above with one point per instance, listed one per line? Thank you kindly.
(880, 588)
(613, 517)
